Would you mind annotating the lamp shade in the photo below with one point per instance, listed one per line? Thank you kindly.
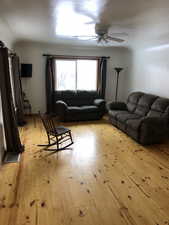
(118, 69)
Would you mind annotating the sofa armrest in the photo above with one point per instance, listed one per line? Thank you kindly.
(100, 103)
(116, 106)
(153, 130)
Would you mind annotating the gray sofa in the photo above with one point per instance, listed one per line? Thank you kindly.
(79, 105)
(144, 117)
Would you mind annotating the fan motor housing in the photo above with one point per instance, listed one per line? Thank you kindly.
(101, 29)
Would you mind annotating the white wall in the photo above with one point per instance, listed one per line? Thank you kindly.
(6, 34)
(35, 86)
(150, 70)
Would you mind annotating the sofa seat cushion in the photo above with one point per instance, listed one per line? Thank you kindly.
(127, 116)
(85, 109)
(134, 123)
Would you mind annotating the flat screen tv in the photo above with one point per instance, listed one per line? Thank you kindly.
(26, 70)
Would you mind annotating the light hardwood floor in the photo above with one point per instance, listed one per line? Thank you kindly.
(104, 179)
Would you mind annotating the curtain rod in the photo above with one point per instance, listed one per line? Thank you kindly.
(75, 57)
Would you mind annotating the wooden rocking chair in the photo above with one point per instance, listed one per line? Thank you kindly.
(57, 135)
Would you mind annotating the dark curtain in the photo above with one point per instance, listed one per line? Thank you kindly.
(13, 142)
(17, 90)
(50, 84)
(102, 72)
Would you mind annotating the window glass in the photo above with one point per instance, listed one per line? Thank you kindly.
(86, 74)
(76, 74)
(65, 75)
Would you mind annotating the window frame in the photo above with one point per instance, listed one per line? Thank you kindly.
(75, 59)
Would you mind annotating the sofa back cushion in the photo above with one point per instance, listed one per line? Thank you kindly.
(160, 108)
(144, 104)
(132, 101)
(76, 98)
(148, 105)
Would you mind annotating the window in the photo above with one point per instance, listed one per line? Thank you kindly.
(76, 74)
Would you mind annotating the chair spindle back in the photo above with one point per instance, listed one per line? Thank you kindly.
(48, 122)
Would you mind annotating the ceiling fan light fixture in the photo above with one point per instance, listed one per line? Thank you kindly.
(101, 35)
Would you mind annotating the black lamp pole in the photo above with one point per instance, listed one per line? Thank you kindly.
(118, 70)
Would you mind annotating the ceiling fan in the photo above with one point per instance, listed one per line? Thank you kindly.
(101, 35)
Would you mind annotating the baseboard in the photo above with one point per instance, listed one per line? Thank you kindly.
(32, 114)
(11, 157)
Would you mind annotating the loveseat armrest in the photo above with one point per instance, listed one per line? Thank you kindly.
(116, 106)
(62, 104)
(61, 108)
(153, 130)
(100, 103)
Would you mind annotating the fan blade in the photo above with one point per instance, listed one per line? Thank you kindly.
(105, 39)
(85, 36)
(89, 23)
(114, 39)
(92, 39)
(99, 39)
(118, 33)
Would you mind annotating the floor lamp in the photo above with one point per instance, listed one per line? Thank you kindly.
(118, 70)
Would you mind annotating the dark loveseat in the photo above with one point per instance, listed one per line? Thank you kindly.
(144, 117)
(79, 105)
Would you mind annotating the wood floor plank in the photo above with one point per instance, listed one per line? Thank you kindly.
(105, 178)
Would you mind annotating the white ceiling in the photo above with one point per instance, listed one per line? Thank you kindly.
(54, 21)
